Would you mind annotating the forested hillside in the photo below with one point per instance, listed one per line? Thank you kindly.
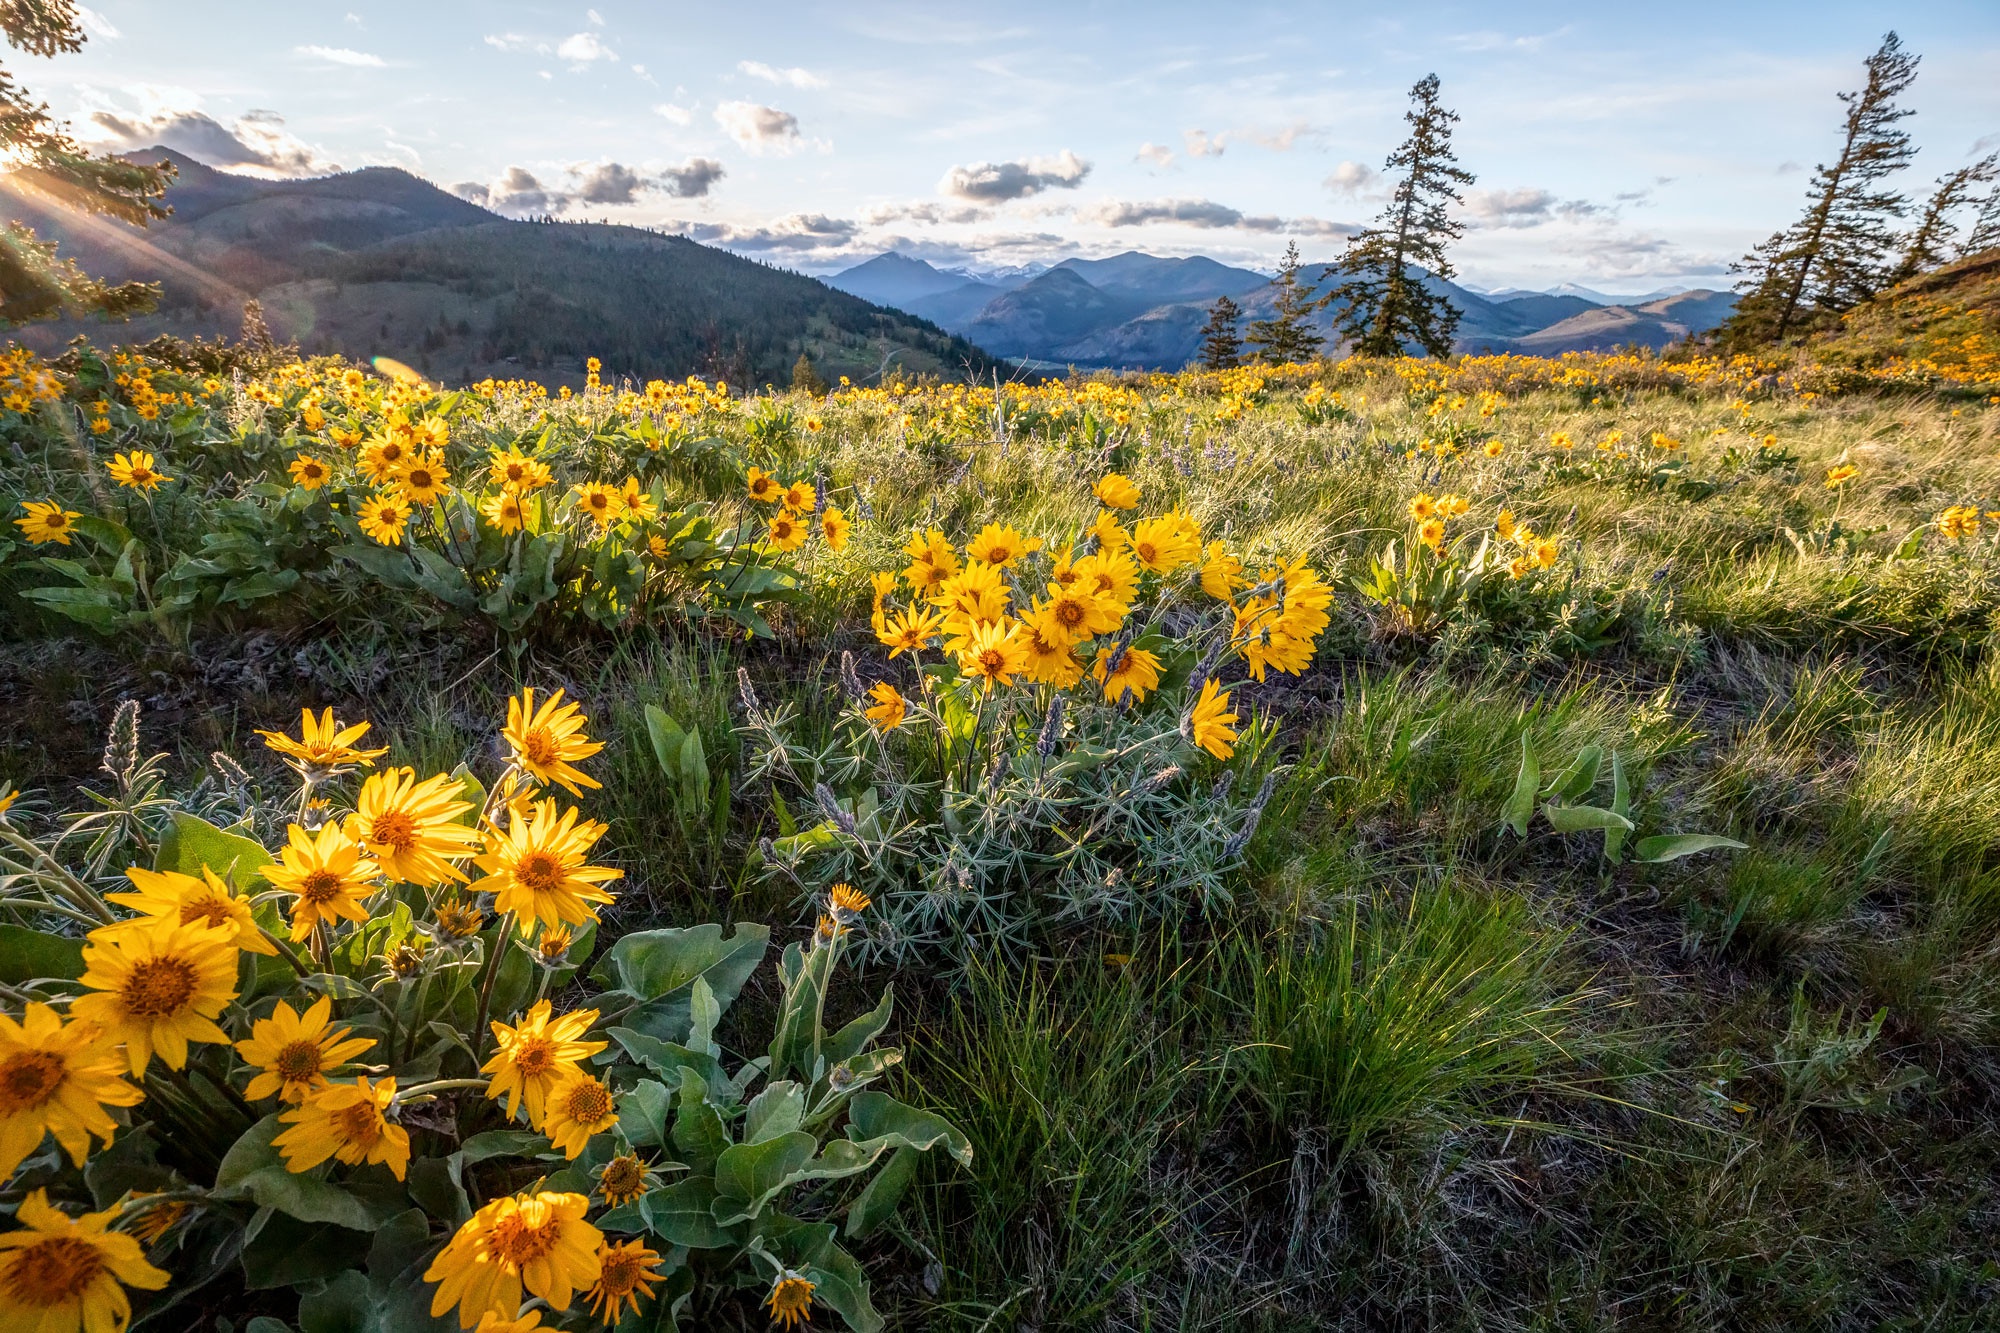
(380, 262)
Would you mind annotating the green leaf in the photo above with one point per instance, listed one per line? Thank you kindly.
(29, 955)
(283, 1252)
(667, 736)
(749, 1175)
(1583, 818)
(660, 967)
(253, 1169)
(1574, 783)
(192, 843)
(1527, 782)
(1673, 846)
(1621, 804)
(703, 1014)
(642, 1114)
(877, 1201)
(698, 1130)
(502, 1143)
(684, 1214)
(874, 1115)
(840, 1283)
(853, 1039)
(779, 1109)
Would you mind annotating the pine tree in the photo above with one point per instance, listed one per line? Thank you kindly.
(1287, 336)
(1985, 232)
(806, 377)
(1927, 245)
(1384, 304)
(1221, 349)
(1838, 253)
(34, 283)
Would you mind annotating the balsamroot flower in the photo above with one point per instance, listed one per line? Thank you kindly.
(539, 1242)
(58, 1274)
(56, 1078)
(538, 870)
(158, 985)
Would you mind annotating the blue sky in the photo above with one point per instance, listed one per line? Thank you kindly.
(1624, 147)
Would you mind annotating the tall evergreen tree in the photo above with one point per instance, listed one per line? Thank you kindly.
(34, 283)
(1839, 253)
(1384, 306)
(1287, 335)
(1929, 245)
(1985, 231)
(1221, 348)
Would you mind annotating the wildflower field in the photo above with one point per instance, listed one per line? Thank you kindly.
(1501, 843)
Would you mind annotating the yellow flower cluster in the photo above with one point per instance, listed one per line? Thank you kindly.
(1077, 624)
(798, 507)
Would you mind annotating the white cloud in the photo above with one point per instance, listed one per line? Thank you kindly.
(1286, 139)
(596, 19)
(679, 115)
(256, 144)
(1158, 154)
(797, 232)
(1524, 206)
(761, 129)
(583, 47)
(514, 41)
(1187, 212)
(96, 24)
(794, 78)
(1200, 143)
(997, 182)
(1352, 178)
(340, 55)
(519, 192)
(924, 211)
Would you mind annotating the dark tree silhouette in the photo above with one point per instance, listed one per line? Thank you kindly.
(1286, 335)
(1384, 305)
(1221, 347)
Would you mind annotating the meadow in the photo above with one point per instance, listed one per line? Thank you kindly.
(1502, 843)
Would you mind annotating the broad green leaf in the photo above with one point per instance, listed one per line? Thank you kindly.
(192, 843)
(853, 1039)
(1673, 846)
(877, 1201)
(1527, 782)
(779, 1109)
(1621, 804)
(667, 737)
(660, 967)
(874, 1115)
(1574, 783)
(26, 955)
(502, 1143)
(1583, 818)
(839, 1282)
(684, 1214)
(253, 1169)
(703, 1014)
(698, 1130)
(642, 1114)
(749, 1175)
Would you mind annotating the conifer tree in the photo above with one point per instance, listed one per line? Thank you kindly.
(34, 283)
(1927, 247)
(1221, 349)
(1384, 305)
(1839, 253)
(1287, 336)
(806, 377)
(1985, 232)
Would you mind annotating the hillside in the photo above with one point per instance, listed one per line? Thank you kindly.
(1948, 318)
(380, 262)
(1139, 311)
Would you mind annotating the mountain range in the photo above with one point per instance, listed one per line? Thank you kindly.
(381, 262)
(1139, 311)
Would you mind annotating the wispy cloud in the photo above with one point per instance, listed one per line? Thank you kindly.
(791, 78)
(340, 55)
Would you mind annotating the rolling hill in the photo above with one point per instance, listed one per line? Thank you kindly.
(379, 261)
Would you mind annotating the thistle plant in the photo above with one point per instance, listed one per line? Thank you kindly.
(1004, 792)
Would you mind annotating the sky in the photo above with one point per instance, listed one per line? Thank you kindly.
(1622, 147)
